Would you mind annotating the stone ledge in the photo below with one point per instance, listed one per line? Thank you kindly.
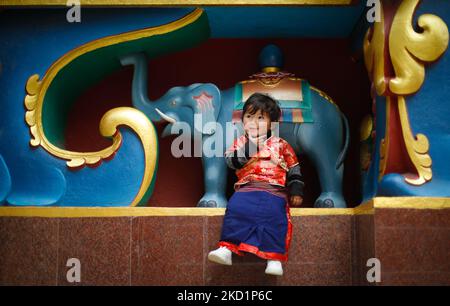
(168, 246)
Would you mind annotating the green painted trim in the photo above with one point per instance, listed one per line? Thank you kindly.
(237, 95)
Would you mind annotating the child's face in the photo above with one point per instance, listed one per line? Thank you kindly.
(256, 124)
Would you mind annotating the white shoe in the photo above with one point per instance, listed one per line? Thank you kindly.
(274, 267)
(221, 256)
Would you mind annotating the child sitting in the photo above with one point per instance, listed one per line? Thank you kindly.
(257, 218)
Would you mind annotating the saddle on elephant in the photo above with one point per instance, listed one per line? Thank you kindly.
(292, 94)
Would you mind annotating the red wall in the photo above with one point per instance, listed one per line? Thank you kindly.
(326, 64)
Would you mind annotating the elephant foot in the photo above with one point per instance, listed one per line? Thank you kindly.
(327, 203)
(212, 200)
(330, 200)
(207, 204)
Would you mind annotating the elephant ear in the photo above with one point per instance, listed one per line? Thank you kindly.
(206, 102)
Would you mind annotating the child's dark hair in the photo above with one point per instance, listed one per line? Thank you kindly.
(265, 103)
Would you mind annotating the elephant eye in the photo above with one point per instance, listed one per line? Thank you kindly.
(173, 103)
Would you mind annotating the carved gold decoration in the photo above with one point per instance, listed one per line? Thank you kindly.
(417, 147)
(374, 54)
(409, 50)
(279, 88)
(145, 130)
(36, 90)
(275, 79)
(366, 128)
(270, 69)
(33, 118)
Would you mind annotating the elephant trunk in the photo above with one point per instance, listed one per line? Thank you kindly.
(139, 87)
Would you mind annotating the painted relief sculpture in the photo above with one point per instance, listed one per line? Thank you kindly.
(119, 168)
(310, 122)
(405, 141)
(407, 60)
(39, 87)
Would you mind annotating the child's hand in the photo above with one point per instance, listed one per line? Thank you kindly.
(296, 200)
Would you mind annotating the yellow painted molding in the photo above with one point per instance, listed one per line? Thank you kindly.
(176, 2)
(412, 203)
(77, 212)
(367, 208)
(298, 212)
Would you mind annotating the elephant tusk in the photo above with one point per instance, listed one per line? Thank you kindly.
(165, 117)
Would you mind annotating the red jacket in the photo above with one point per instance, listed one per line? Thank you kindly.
(269, 164)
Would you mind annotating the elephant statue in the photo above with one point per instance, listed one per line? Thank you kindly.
(322, 140)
